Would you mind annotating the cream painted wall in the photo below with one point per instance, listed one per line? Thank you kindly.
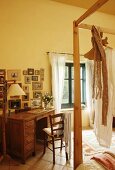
(30, 28)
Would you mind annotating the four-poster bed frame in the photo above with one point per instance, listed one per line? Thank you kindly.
(77, 97)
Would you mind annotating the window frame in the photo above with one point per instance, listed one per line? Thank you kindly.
(70, 65)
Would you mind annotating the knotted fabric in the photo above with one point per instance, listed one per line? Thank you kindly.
(100, 77)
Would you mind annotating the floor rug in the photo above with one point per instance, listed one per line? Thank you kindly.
(91, 145)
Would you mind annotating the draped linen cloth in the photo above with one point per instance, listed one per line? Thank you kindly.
(104, 133)
(100, 84)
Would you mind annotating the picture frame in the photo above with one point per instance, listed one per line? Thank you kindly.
(1, 104)
(42, 77)
(2, 71)
(27, 79)
(34, 78)
(25, 105)
(14, 75)
(1, 95)
(2, 79)
(1, 88)
(25, 97)
(26, 89)
(41, 71)
(25, 72)
(37, 72)
(37, 94)
(30, 71)
(37, 85)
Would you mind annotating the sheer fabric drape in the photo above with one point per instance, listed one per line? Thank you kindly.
(89, 81)
(58, 72)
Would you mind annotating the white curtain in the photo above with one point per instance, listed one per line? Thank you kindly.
(58, 72)
(89, 79)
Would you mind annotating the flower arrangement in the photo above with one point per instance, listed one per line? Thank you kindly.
(47, 98)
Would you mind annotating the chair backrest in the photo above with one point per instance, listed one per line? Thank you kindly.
(57, 124)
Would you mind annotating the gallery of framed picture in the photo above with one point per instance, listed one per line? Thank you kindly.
(30, 79)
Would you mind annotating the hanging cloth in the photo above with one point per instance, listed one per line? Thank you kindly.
(100, 83)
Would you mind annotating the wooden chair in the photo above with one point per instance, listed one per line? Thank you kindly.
(54, 133)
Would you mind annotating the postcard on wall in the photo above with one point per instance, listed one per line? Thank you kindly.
(37, 85)
(14, 75)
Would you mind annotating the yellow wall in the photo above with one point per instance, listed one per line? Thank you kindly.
(30, 28)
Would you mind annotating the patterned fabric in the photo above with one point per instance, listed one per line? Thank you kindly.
(100, 85)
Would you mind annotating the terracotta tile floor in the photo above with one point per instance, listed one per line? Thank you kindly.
(40, 162)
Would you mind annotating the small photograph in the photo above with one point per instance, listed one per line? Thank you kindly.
(14, 75)
(1, 95)
(1, 104)
(25, 104)
(2, 79)
(1, 88)
(2, 71)
(37, 72)
(25, 72)
(26, 89)
(25, 97)
(37, 94)
(42, 77)
(34, 78)
(41, 71)
(27, 79)
(37, 85)
(30, 71)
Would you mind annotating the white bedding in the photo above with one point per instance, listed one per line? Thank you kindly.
(90, 165)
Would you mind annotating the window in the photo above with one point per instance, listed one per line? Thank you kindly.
(68, 93)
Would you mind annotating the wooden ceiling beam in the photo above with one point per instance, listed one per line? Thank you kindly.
(91, 10)
(104, 30)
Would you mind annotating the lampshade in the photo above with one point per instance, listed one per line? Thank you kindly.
(15, 90)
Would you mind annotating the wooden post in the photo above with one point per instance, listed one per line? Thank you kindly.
(77, 100)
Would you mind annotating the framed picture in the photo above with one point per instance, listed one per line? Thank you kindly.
(34, 78)
(27, 79)
(2, 79)
(1, 104)
(37, 85)
(1, 95)
(1, 88)
(26, 89)
(25, 72)
(42, 77)
(41, 70)
(30, 71)
(37, 72)
(25, 97)
(37, 94)
(14, 75)
(25, 105)
(2, 71)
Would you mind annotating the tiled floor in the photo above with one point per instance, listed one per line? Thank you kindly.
(40, 162)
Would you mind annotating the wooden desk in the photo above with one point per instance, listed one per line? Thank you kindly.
(21, 132)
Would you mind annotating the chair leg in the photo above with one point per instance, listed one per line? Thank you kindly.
(53, 145)
(61, 144)
(44, 143)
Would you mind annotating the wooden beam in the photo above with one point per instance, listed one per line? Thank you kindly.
(91, 10)
(77, 100)
(104, 30)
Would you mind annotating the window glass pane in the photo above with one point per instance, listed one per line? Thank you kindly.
(80, 72)
(72, 72)
(81, 91)
(72, 91)
(65, 98)
(66, 72)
